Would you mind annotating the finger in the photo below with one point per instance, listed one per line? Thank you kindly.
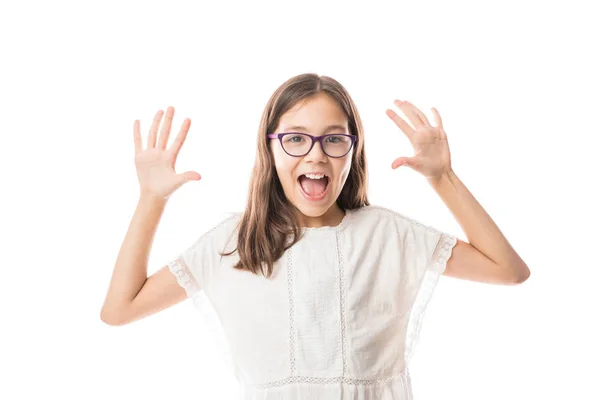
(153, 129)
(402, 124)
(166, 128)
(137, 138)
(190, 176)
(409, 113)
(438, 121)
(186, 177)
(399, 162)
(417, 113)
(180, 138)
(437, 117)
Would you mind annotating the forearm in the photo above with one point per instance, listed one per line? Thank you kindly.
(131, 268)
(478, 226)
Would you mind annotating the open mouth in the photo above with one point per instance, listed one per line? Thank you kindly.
(313, 186)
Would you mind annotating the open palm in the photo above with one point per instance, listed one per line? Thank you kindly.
(432, 153)
(155, 165)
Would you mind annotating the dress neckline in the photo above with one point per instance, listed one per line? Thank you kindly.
(337, 227)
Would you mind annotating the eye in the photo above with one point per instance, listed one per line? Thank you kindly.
(337, 139)
(294, 138)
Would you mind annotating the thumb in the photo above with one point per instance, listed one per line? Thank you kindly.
(189, 176)
(401, 161)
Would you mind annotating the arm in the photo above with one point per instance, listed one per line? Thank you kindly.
(131, 294)
(488, 257)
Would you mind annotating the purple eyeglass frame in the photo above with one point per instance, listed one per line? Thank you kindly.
(314, 139)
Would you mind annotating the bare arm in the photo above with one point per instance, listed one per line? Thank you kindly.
(132, 294)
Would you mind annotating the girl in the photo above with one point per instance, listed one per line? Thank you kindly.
(320, 294)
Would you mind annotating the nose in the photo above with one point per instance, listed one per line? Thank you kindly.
(316, 153)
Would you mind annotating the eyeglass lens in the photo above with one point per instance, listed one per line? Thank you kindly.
(298, 144)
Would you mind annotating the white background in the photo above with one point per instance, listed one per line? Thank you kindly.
(516, 83)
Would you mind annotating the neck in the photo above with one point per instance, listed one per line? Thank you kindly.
(332, 217)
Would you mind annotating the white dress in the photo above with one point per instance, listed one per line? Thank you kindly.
(340, 315)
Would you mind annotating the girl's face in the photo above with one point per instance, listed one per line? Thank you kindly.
(315, 199)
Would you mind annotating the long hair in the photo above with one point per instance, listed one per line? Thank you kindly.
(269, 220)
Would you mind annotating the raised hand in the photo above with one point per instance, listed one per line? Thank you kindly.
(155, 165)
(432, 153)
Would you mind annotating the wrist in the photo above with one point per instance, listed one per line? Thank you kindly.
(444, 177)
(152, 198)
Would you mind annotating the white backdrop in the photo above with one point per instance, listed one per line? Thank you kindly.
(516, 83)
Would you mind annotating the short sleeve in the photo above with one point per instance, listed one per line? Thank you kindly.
(195, 266)
(194, 269)
(431, 249)
(432, 246)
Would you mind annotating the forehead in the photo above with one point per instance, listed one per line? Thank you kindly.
(315, 114)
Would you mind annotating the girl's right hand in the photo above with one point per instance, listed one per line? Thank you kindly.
(155, 165)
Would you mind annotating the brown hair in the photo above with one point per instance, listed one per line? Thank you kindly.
(269, 218)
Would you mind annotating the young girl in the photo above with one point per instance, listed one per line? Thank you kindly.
(320, 294)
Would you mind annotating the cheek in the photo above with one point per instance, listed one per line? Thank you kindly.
(343, 169)
(284, 167)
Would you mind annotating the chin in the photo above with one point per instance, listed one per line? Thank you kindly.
(313, 209)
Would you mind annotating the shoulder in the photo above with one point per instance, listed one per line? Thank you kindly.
(228, 221)
(380, 224)
(222, 229)
(378, 214)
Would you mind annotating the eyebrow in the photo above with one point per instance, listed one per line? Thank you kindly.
(302, 128)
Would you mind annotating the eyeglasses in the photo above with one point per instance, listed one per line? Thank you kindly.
(298, 144)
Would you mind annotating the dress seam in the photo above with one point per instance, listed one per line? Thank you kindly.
(342, 288)
(291, 316)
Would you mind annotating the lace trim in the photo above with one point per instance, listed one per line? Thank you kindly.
(292, 311)
(343, 223)
(443, 252)
(337, 379)
(184, 277)
(342, 302)
(433, 271)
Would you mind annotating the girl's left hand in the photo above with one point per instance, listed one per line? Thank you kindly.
(432, 154)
